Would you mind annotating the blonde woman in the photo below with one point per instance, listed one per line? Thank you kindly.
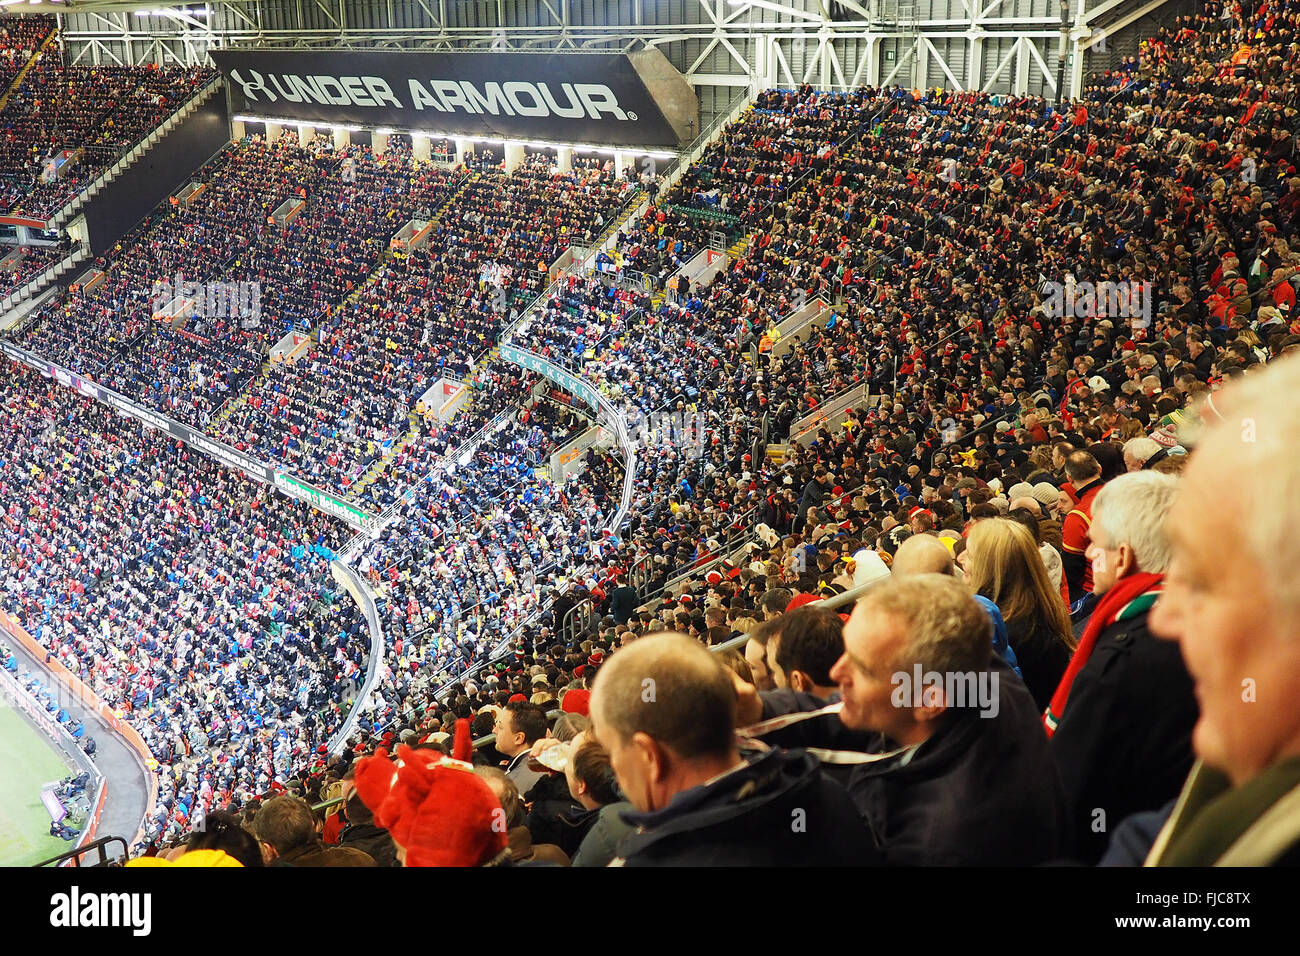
(1003, 565)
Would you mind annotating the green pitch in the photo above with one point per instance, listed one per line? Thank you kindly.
(30, 760)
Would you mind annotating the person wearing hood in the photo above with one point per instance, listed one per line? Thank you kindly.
(664, 709)
(362, 833)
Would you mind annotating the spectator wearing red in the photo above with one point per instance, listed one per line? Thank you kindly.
(1084, 473)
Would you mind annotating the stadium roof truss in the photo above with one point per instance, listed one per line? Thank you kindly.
(1005, 46)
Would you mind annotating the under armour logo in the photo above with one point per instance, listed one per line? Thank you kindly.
(254, 86)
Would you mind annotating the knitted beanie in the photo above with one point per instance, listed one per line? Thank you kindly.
(436, 808)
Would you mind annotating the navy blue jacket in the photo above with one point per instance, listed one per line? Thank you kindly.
(778, 809)
(1124, 743)
(983, 791)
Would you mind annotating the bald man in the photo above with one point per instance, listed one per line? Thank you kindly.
(926, 554)
(664, 708)
(922, 554)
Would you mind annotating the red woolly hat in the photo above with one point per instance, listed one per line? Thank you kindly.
(437, 809)
(800, 600)
(517, 698)
(462, 747)
(577, 702)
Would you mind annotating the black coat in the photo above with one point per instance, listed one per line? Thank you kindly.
(1124, 744)
(983, 791)
(1042, 659)
(622, 603)
(372, 840)
(814, 493)
(550, 803)
(779, 809)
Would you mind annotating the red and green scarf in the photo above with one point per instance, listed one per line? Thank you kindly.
(1127, 598)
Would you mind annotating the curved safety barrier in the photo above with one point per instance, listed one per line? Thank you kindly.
(80, 692)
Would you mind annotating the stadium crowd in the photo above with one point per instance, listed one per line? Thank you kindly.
(193, 602)
(429, 314)
(97, 112)
(937, 466)
(20, 38)
(302, 270)
(1040, 498)
(34, 261)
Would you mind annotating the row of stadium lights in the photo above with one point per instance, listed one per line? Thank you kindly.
(385, 131)
(198, 12)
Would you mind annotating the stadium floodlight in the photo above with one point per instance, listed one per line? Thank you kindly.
(578, 147)
(778, 8)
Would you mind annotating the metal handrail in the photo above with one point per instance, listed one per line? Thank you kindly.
(326, 805)
(545, 294)
(566, 625)
(370, 611)
(74, 856)
(829, 604)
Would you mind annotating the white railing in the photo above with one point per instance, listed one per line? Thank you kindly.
(361, 593)
(828, 413)
(51, 272)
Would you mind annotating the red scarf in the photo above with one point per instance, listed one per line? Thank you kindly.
(1108, 610)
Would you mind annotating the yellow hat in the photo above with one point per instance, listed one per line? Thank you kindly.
(206, 858)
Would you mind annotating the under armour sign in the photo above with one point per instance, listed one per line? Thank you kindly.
(601, 98)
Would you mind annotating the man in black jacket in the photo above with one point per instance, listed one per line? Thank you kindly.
(814, 492)
(664, 709)
(561, 604)
(362, 834)
(622, 600)
(286, 832)
(938, 743)
(1124, 741)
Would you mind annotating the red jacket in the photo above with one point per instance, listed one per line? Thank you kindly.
(1075, 529)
